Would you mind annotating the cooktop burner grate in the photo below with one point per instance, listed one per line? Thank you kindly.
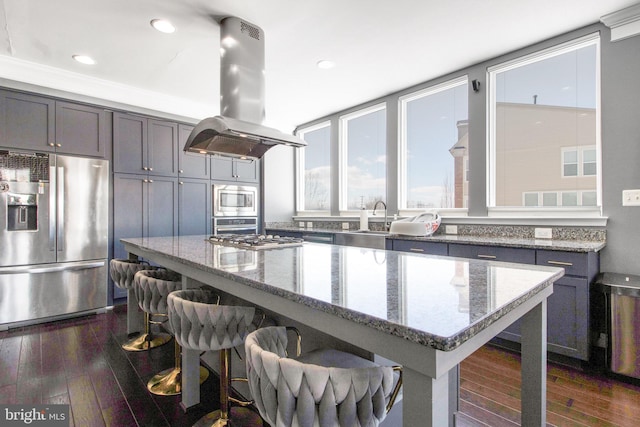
(255, 241)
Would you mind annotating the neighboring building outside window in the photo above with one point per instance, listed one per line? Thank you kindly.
(314, 169)
(434, 147)
(544, 128)
(363, 159)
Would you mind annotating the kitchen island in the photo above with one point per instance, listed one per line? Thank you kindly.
(427, 313)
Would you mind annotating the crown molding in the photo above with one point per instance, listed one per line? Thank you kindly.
(624, 23)
(55, 78)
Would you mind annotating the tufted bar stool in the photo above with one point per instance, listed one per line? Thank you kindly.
(323, 387)
(122, 273)
(200, 324)
(152, 287)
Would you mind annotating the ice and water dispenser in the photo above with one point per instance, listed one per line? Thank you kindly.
(22, 178)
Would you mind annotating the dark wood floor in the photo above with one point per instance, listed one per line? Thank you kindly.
(80, 362)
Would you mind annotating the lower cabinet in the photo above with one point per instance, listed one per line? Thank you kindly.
(143, 206)
(567, 308)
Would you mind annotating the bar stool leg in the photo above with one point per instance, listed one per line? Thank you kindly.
(147, 340)
(226, 415)
(169, 381)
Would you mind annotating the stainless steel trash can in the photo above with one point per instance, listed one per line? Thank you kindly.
(622, 292)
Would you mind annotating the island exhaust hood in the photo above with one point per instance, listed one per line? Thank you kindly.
(238, 130)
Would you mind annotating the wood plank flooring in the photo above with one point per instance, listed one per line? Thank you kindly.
(80, 362)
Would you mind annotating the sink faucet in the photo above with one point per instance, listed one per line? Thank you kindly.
(385, 213)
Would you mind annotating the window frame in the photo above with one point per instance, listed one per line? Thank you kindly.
(343, 149)
(491, 155)
(300, 171)
(402, 145)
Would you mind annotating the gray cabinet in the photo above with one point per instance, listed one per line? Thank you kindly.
(144, 145)
(567, 308)
(493, 253)
(30, 122)
(143, 206)
(80, 129)
(234, 169)
(429, 248)
(194, 207)
(27, 122)
(191, 165)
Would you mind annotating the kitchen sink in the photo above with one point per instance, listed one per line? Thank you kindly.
(362, 239)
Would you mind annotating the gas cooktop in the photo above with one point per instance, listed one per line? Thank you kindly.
(255, 241)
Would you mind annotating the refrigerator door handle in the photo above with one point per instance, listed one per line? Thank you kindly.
(52, 208)
(61, 203)
(51, 268)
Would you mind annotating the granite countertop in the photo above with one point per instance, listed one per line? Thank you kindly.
(513, 242)
(434, 301)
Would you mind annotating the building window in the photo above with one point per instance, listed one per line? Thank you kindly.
(579, 161)
(434, 147)
(314, 169)
(544, 118)
(363, 158)
(560, 198)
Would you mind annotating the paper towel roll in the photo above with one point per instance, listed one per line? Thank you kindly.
(364, 219)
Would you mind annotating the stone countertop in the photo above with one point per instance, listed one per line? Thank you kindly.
(434, 301)
(513, 242)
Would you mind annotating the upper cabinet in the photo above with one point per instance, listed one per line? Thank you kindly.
(27, 122)
(191, 165)
(80, 129)
(37, 123)
(143, 145)
(234, 169)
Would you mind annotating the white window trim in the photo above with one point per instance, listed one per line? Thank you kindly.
(402, 135)
(513, 212)
(343, 151)
(300, 168)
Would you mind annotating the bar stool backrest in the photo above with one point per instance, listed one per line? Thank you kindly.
(152, 287)
(199, 324)
(288, 392)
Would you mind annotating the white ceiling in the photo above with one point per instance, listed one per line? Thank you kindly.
(379, 46)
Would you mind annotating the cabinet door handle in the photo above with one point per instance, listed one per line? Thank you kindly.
(181, 183)
(150, 169)
(145, 180)
(51, 144)
(144, 168)
(180, 171)
(58, 145)
(487, 256)
(566, 264)
(150, 181)
(416, 250)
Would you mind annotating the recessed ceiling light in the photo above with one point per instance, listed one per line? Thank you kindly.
(84, 59)
(325, 64)
(163, 26)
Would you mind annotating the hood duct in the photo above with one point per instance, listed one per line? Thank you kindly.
(238, 130)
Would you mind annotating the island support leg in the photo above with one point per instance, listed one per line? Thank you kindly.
(135, 316)
(425, 400)
(534, 366)
(190, 367)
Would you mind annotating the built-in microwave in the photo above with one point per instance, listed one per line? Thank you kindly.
(235, 200)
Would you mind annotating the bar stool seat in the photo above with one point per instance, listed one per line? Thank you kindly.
(200, 324)
(325, 387)
(123, 273)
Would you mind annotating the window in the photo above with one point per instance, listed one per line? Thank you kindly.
(544, 118)
(434, 147)
(314, 169)
(579, 161)
(363, 160)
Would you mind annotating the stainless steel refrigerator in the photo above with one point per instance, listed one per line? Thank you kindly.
(54, 219)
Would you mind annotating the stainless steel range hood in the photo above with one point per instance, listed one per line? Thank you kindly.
(238, 131)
